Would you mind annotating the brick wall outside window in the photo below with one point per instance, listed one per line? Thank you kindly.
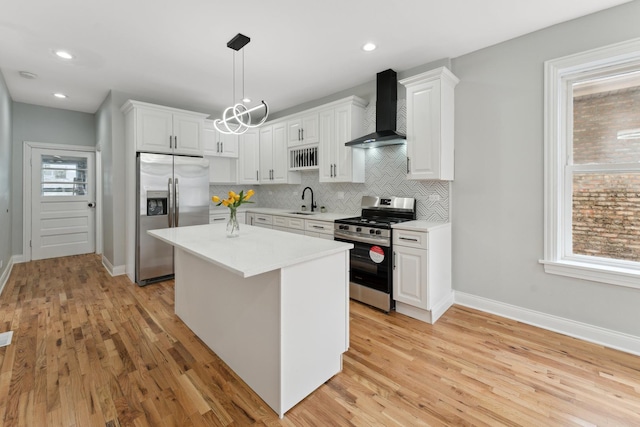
(606, 206)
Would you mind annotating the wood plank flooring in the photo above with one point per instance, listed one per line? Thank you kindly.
(93, 350)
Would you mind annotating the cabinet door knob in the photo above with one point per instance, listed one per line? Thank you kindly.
(175, 142)
(170, 141)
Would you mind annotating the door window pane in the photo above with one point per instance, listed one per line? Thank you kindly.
(63, 176)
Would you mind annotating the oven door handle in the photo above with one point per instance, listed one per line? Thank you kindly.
(352, 239)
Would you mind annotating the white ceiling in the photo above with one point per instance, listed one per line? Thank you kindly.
(175, 53)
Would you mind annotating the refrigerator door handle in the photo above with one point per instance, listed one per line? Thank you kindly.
(170, 216)
(177, 202)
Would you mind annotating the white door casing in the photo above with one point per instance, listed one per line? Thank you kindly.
(62, 202)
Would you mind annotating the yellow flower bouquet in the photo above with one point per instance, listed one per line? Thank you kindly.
(233, 202)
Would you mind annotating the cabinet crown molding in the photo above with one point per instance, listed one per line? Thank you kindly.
(353, 99)
(130, 104)
(442, 73)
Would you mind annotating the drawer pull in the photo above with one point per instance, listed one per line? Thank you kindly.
(318, 226)
(407, 238)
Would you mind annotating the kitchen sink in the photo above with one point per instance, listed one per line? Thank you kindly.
(302, 213)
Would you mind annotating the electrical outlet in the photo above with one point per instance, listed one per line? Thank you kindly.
(340, 195)
(295, 193)
(434, 198)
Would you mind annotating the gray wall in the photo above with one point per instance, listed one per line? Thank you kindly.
(5, 176)
(34, 123)
(110, 138)
(498, 191)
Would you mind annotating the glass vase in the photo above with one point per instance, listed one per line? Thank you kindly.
(233, 227)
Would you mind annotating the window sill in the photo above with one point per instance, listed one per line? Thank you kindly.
(597, 273)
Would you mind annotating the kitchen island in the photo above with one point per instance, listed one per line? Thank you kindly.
(272, 305)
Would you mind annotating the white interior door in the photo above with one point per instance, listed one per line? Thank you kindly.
(62, 203)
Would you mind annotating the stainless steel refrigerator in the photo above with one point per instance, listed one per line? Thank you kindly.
(173, 191)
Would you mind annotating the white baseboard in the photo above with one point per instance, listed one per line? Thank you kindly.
(601, 336)
(7, 271)
(113, 270)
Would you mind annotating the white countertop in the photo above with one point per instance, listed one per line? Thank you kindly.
(317, 216)
(257, 250)
(420, 225)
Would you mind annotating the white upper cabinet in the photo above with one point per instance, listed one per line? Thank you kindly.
(430, 112)
(273, 156)
(218, 144)
(159, 129)
(338, 124)
(302, 129)
(266, 154)
(249, 157)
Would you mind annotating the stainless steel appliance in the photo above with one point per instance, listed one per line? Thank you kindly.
(172, 191)
(386, 115)
(371, 259)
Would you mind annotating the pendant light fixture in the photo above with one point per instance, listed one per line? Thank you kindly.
(236, 119)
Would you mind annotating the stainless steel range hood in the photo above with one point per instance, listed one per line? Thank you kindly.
(386, 110)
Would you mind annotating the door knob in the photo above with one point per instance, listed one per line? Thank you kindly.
(91, 204)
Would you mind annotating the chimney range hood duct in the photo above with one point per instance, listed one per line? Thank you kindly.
(386, 110)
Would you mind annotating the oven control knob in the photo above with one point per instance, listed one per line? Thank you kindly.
(358, 228)
(372, 231)
(378, 232)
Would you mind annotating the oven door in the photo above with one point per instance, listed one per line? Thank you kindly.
(370, 265)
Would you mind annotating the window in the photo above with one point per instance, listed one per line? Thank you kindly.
(592, 165)
(63, 176)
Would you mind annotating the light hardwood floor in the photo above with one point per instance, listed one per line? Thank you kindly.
(93, 350)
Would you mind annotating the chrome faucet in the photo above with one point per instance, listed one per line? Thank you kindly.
(313, 204)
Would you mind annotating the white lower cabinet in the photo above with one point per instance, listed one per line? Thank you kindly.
(314, 228)
(223, 218)
(262, 220)
(321, 229)
(422, 272)
(293, 225)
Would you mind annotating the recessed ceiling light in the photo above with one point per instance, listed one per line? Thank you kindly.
(368, 47)
(60, 95)
(64, 54)
(28, 75)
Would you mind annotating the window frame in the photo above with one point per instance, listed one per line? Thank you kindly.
(559, 76)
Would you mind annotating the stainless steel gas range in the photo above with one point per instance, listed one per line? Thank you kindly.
(371, 266)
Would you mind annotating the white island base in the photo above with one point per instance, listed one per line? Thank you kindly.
(282, 331)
